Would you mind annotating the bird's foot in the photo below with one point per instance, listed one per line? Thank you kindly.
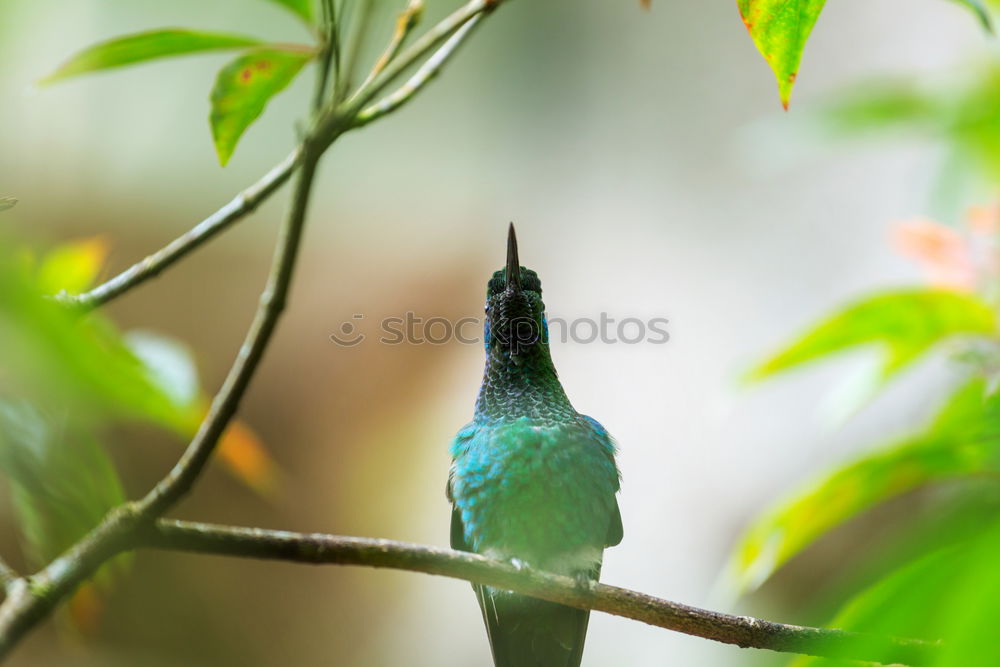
(519, 564)
(585, 582)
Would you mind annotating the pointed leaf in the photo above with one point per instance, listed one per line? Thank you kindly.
(302, 8)
(244, 87)
(906, 324)
(780, 29)
(145, 46)
(6, 203)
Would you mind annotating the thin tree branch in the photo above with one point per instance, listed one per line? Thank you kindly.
(408, 19)
(329, 51)
(741, 631)
(355, 47)
(430, 69)
(420, 49)
(241, 205)
(272, 302)
(32, 599)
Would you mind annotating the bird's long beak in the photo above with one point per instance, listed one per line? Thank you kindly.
(513, 263)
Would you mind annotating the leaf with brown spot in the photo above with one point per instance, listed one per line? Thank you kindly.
(780, 29)
(245, 86)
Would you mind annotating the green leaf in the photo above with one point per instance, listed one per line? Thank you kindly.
(303, 8)
(244, 87)
(6, 203)
(780, 29)
(145, 46)
(906, 324)
(53, 354)
(61, 481)
(978, 8)
(951, 595)
(963, 439)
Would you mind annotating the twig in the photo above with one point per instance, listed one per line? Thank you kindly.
(30, 600)
(741, 631)
(408, 19)
(241, 205)
(329, 53)
(272, 302)
(430, 69)
(356, 46)
(419, 50)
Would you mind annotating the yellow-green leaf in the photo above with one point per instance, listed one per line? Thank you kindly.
(72, 267)
(6, 203)
(145, 46)
(906, 324)
(244, 87)
(963, 439)
(780, 29)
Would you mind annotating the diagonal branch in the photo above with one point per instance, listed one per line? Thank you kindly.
(241, 205)
(420, 49)
(420, 78)
(741, 631)
(272, 302)
(405, 23)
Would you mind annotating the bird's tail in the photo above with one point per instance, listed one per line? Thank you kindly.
(527, 632)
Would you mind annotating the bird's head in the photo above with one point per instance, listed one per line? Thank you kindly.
(515, 314)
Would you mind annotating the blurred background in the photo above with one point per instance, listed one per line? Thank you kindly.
(650, 171)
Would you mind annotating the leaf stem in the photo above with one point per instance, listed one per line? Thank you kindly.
(428, 71)
(407, 20)
(357, 43)
(241, 205)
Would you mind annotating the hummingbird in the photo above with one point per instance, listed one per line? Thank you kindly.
(532, 481)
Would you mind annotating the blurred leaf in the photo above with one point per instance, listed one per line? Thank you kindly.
(963, 439)
(72, 267)
(979, 9)
(951, 595)
(906, 603)
(780, 29)
(62, 482)
(244, 454)
(7, 202)
(53, 353)
(303, 8)
(145, 46)
(171, 366)
(907, 324)
(963, 112)
(244, 87)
